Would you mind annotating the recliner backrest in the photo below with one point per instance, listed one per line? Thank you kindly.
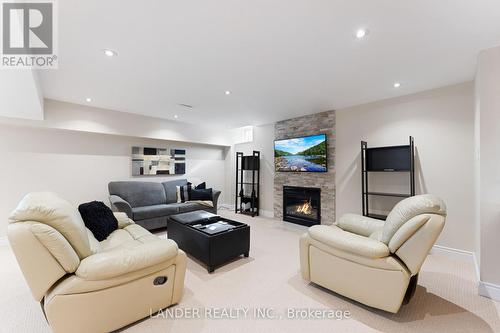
(139, 194)
(40, 267)
(48, 238)
(408, 210)
(47, 208)
(417, 246)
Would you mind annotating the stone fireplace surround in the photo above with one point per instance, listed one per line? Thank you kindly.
(318, 123)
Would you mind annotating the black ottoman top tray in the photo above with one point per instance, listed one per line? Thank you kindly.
(211, 239)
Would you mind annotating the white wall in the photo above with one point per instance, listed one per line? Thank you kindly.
(78, 165)
(442, 123)
(75, 117)
(20, 94)
(488, 171)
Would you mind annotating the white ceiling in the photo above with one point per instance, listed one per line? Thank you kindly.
(279, 58)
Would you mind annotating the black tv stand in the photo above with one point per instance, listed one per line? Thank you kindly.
(395, 159)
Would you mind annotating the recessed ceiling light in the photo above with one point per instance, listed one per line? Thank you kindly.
(361, 33)
(228, 92)
(88, 99)
(176, 116)
(110, 53)
(397, 84)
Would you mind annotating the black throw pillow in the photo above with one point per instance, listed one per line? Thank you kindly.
(201, 186)
(98, 218)
(200, 194)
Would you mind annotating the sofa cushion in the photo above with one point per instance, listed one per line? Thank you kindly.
(126, 259)
(190, 206)
(139, 194)
(346, 241)
(140, 234)
(126, 250)
(149, 212)
(360, 225)
(170, 189)
(118, 238)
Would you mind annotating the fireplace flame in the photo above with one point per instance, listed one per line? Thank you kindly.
(306, 208)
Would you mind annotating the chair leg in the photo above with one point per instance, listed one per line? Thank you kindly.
(412, 286)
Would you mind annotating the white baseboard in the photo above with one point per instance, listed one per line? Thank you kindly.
(485, 289)
(266, 213)
(489, 290)
(226, 206)
(458, 254)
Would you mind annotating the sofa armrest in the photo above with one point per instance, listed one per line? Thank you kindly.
(121, 205)
(215, 198)
(349, 242)
(123, 219)
(113, 263)
(360, 225)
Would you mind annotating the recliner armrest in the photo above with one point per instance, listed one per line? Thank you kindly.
(123, 219)
(112, 263)
(121, 205)
(347, 241)
(360, 225)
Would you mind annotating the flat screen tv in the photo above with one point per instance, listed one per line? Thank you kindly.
(302, 154)
(396, 158)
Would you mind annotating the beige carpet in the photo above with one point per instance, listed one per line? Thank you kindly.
(445, 301)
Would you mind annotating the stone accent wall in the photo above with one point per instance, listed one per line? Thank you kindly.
(318, 123)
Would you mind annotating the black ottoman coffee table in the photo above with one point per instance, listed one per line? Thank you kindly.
(212, 239)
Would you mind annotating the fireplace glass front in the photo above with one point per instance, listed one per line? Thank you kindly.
(302, 205)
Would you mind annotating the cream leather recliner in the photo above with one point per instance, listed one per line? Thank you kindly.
(371, 261)
(88, 286)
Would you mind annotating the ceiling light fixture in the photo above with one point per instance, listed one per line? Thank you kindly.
(110, 53)
(228, 92)
(397, 84)
(361, 33)
(176, 116)
(88, 99)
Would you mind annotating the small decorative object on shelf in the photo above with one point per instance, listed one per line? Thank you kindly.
(386, 159)
(247, 183)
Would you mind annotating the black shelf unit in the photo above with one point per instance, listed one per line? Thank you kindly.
(247, 192)
(404, 162)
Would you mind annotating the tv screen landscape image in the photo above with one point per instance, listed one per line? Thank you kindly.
(304, 154)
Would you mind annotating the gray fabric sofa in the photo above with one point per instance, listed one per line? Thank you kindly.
(149, 204)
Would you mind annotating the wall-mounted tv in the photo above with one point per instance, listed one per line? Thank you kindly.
(302, 154)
